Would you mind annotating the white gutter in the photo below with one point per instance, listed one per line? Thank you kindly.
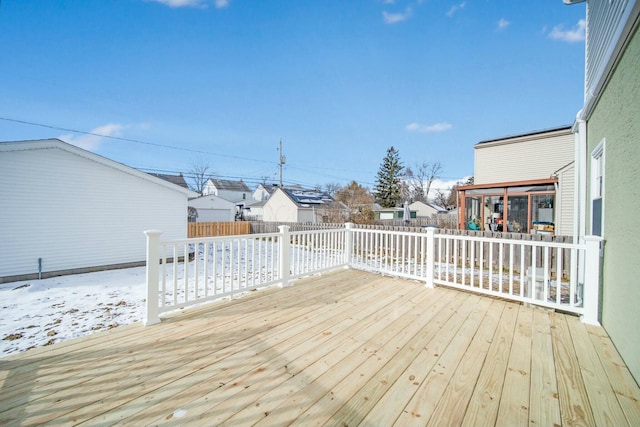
(580, 201)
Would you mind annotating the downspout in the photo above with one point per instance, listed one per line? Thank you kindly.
(580, 202)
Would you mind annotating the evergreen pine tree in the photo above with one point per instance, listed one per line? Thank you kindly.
(387, 191)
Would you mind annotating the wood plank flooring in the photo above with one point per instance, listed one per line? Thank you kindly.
(347, 348)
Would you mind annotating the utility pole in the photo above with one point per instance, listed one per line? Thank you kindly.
(281, 162)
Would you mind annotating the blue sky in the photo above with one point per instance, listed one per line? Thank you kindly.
(220, 82)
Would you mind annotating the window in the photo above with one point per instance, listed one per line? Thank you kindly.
(492, 215)
(518, 214)
(597, 189)
(472, 213)
(542, 214)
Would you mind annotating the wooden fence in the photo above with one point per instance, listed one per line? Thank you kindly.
(213, 229)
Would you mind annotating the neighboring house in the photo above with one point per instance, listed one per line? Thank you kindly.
(382, 214)
(426, 209)
(212, 208)
(607, 131)
(295, 205)
(234, 191)
(253, 211)
(91, 214)
(174, 179)
(264, 191)
(522, 183)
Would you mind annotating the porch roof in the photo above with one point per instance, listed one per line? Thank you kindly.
(531, 182)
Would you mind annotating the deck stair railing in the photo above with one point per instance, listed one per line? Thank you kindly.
(562, 276)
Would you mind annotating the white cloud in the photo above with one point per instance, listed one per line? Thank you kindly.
(502, 24)
(436, 127)
(219, 4)
(394, 18)
(92, 139)
(576, 34)
(455, 8)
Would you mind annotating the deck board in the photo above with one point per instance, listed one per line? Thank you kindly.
(345, 348)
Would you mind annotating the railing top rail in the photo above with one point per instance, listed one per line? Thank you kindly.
(194, 240)
(511, 241)
(321, 230)
(380, 231)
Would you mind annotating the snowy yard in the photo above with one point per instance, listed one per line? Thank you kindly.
(36, 313)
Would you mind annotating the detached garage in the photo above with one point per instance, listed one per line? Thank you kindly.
(67, 210)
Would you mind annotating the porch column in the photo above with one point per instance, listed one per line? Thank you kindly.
(591, 291)
(431, 243)
(348, 244)
(151, 316)
(284, 250)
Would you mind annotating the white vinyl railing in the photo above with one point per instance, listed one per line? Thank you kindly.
(192, 271)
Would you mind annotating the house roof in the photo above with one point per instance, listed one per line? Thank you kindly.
(271, 188)
(54, 143)
(175, 179)
(528, 135)
(431, 205)
(306, 198)
(223, 184)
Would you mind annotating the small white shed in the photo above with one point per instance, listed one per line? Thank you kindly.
(213, 209)
(426, 210)
(296, 205)
(67, 210)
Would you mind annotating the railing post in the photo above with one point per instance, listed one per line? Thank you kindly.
(284, 255)
(348, 243)
(431, 244)
(153, 257)
(591, 289)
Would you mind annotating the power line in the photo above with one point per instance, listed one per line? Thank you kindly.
(137, 141)
(190, 150)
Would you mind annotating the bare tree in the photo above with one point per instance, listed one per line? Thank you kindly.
(332, 188)
(449, 198)
(359, 200)
(443, 198)
(427, 173)
(417, 184)
(199, 174)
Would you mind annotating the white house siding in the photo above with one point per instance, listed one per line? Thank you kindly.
(423, 210)
(234, 196)
(565, 197)
(78, 212)
(214, 215)
(523, 158)
(309, 215)
(213, 209)
(281, 208)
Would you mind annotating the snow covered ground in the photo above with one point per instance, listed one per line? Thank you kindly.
(36, 313)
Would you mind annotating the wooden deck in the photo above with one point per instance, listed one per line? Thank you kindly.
(346, 348)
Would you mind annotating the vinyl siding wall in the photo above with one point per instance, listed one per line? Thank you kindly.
(75, 213)
(213, 209)
(522, 159)
(280, 208)
(565, 197)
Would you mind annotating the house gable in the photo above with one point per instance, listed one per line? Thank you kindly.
(92, 213)
(524, 157)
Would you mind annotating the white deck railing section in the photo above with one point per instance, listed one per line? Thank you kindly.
(557, 275)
